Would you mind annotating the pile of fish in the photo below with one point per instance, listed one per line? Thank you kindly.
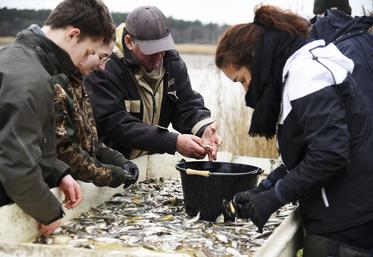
(151, 214)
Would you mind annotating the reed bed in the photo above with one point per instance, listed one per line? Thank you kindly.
(196, 49)
(234, 119)
(6, 40)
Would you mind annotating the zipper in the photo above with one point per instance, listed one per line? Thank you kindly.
(324, 198)
(153, 98)
(154, 108)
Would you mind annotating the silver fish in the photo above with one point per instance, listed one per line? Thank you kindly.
(151, 214)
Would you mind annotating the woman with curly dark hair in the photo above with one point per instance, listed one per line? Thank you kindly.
(303, 93)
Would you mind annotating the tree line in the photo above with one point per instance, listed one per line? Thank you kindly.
(183, 32)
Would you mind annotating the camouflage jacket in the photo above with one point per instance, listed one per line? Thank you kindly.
(77, 141)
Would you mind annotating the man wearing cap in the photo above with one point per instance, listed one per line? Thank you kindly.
(334, 24)
(144, 88)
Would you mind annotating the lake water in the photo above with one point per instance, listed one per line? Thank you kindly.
(225, 99)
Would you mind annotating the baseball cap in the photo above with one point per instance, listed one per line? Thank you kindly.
(149, 28)
(320, 6)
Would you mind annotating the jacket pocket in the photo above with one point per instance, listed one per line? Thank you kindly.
(172, 96)
(132, 106)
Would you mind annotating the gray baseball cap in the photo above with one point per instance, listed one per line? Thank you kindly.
(149, 28)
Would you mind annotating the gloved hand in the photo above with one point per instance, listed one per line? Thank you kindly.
(257, 207)
(126, 175)
(107, 155)
(131, 173)
(228, 208)
(269, 182)
(232, 209)
(275, 175)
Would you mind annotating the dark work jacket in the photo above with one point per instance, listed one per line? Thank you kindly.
(28, 163)
(326, 142)
(123, 129)
(352, 38)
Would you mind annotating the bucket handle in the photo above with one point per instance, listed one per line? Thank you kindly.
(204, 173)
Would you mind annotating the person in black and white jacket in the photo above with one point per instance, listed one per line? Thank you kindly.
(303, 92)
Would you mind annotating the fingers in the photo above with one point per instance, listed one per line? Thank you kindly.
(72, 192)
(211, 137)
(43, 230)
(79, 196)
(69, 196)
(213, 153)
(197, 140)
(134, 170)
(237, 199)
(198, 150)
(243, 197)
(50, 228)
(209, 154)
(190, 146)
(219, 140)
(75, 196)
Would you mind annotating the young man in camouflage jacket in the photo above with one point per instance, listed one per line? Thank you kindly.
(77, 141)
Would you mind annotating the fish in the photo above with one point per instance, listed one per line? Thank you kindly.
(151, 214)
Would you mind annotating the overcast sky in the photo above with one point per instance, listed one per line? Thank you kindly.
(217, 11)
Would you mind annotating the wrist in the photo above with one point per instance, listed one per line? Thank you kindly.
(66, 173)
(269, 202)
(265, 184)
(202, 130)
(60, 216)
(177, 143)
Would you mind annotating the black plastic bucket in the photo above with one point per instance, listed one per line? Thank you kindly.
(206, 184)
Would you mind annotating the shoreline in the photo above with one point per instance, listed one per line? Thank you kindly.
(6, 40)
(181, 48)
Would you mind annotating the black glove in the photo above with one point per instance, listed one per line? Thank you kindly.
(257, 207)
(107, 155)
(132, 173)
(228, 208)
(276, 175)
(126, 175)
(271, 180)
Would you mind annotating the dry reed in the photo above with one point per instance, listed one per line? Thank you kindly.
(196, 49)
(6, 40)
(234, 121)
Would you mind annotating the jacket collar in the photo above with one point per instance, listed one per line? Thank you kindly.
(53, 58)
(121, 50)
(336, 24)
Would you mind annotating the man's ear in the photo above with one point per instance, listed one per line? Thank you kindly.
(129, 42)
(72, 33)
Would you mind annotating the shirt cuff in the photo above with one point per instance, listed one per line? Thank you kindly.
(197, 129)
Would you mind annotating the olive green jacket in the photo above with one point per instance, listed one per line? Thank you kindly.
(28, 163)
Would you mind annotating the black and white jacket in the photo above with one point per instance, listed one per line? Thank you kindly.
(325, 140)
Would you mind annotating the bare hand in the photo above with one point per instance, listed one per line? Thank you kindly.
(72, 192)
(190, 146)
(50, 228)
(210, 137)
